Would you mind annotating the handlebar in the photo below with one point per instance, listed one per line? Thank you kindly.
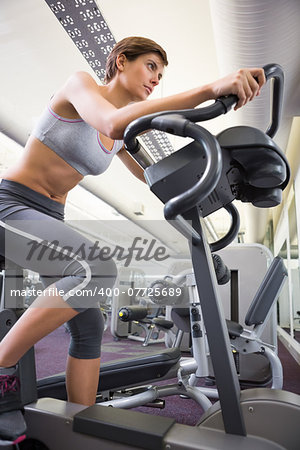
(208, 181)
(233, 230)
(182, 123)
(221, 106)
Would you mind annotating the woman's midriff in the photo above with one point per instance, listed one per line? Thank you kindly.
(42, 170)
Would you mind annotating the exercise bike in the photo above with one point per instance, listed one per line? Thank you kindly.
(213, 171)
(241, 163)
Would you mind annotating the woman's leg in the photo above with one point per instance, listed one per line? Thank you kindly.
(83, 364)
(82, 375)
(41, 318)
(82, 379)
(50, 311)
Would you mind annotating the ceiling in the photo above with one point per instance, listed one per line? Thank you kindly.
(204, 40)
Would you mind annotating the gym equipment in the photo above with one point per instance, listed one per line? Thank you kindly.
(258, 365)
(248, 265)
(238, 420)
(241, 163)
(264, 365)
(256, 362)
(145, 325)
(131, 312)
(150, 319)
(242, 415)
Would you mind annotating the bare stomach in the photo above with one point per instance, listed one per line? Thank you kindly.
(42, 170)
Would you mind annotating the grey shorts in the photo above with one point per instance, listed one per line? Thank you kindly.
(34, 236)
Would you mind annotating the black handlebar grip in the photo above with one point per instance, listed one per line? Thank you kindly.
(275, 71)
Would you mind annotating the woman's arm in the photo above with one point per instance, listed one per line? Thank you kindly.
(84, 94)
(131, 164)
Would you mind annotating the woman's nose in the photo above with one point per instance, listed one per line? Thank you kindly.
(155, 80)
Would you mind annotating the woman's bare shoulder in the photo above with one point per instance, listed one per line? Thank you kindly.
(78, 83)
(80, 80)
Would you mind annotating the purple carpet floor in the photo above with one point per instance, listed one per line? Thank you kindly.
(51, 353)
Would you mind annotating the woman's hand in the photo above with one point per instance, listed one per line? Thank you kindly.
(245, 84)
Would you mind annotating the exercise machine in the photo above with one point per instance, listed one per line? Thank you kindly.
(146, 325)
(256, 361)
(213, 172)
(241, 163)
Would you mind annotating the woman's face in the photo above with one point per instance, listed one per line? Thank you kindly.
(142, 75)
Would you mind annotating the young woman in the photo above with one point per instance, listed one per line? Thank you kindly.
(78, 134)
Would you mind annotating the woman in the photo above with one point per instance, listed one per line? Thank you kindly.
(78, 134)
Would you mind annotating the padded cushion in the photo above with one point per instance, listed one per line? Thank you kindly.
(161, 322)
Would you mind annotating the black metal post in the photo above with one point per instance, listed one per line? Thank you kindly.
(217, 334)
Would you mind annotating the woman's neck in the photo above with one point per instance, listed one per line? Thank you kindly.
(116, 94)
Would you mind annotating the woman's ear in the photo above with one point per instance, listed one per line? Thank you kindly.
(120, 62)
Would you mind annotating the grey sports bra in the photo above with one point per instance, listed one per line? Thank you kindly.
(75, 141)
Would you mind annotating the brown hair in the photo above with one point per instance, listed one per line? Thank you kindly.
(132, 47)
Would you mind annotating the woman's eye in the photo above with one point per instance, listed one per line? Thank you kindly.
(151, 66)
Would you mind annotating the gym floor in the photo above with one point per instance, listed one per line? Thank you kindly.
(51, 353)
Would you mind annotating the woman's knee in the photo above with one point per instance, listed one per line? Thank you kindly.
(86, 330)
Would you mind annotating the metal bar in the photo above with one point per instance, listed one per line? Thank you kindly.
(216, 331)
(155, 392)
(185, 228)
(234, 296)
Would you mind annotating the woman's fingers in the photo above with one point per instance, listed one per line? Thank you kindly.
(245, 84)
(249, 82)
